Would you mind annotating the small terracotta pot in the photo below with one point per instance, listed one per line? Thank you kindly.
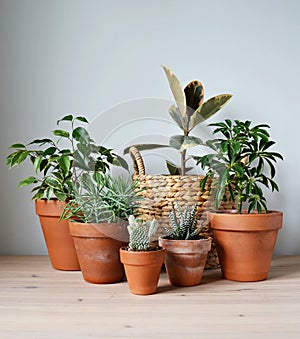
(142, 269)
(245, 243)
(185, 260)
(59, 243)
(97, 247)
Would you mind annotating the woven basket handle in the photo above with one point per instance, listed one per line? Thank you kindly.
(138, 163)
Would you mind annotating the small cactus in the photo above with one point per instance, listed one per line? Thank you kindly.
(140, 233)
(183, 223)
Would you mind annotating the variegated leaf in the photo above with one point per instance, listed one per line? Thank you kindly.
(177, 90)
(208, 109)
(194, 94)
(175, 115)
(182, 142)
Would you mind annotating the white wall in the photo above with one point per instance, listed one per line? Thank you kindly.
(82, 57)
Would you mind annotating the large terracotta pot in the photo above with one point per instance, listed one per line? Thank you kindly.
(185, 260)
(97, 247)
(245, 243)
(59, 243)
(142, 269)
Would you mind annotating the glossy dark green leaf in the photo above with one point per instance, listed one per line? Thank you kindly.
(18, 158)
(60, 195)
(65, 118)
(61, 133)
(64, 163)
(17, 146)
(50, 151)
(81, 134)
(41, 142)
(82, 119)
(27, 181)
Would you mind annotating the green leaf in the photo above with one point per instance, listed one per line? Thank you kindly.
(194, 94)
(17, 146)
(81, 134)
(52, 182)
(19, 157)
(177, 90)
(41, 142)
(65, 118)
(65, 164)
(175, 115)
(49, 151)
(119, 161)
(82, 119)
(209, 108)
(61, 133)
(60, 195)
(37, 163)
(27, 181)
(173, 169)
(144, 147)
(181, 142)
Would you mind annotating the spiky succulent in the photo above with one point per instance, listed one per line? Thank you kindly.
(140, 233)
(183, 223)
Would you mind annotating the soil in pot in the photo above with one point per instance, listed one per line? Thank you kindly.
(185, 260)
(59, 243)
(142, 269)
(97, 247)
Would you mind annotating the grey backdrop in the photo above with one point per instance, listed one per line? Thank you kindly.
(82, 57)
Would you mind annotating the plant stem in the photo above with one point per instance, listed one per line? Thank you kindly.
(183, 154)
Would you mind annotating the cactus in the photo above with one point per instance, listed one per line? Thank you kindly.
(183, 223)
(140, 233)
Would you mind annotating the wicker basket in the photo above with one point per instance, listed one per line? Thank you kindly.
(160, 191)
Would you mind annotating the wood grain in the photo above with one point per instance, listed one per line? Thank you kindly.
(37, 301)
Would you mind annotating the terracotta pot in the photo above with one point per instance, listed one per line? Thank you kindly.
(59, 243)
(245, 243)
(185, 260)
(142, 269)
(97, 247)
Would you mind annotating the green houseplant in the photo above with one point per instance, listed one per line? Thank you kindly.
(241, 162)
(189, 111)
(56, 163)
(97, 215)
(186, 248)
(141, 259)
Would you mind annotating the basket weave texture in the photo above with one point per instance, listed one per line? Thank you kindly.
(160, 191)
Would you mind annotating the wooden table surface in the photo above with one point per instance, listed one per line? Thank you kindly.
(39, 302)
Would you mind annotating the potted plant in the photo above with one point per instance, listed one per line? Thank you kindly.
(186, 248)
(54, 163)
(241, 161)
(142, 260)
(160, 191)
(97, 214)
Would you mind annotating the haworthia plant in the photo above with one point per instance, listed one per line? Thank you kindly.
(190, 110)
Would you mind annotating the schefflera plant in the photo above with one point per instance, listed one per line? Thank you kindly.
(140, 233)
(190, 110)
(242, 163)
